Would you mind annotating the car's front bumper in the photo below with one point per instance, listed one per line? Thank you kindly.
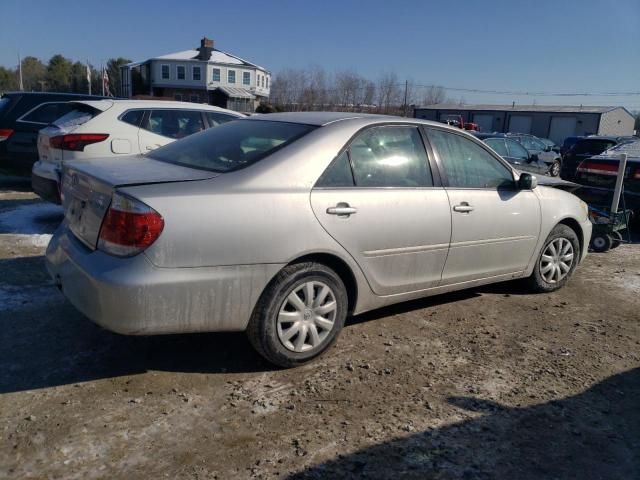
(134, 297)
(45, 181)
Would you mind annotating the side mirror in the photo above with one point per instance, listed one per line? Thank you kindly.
(527, 181)
(548, 148)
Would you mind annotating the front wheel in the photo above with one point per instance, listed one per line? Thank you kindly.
(299, 315)
(554, 169)
(557, 260)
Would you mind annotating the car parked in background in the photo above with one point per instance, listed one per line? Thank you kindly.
(514, 153)
(282, 224)
(22, 115)
(567, 144)
(110, 128)
(551, 144)
(598, 176)
(543, 152)
(584, 148)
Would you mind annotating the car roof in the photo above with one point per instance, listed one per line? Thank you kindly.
(104, 104)
(45, 95)
(325, 118)
(483, 136)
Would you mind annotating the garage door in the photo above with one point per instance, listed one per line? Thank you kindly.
(485, 122)
(520, 124)
(561, 128)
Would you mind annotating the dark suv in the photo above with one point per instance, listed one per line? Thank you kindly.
(22, 115)
(584, 148)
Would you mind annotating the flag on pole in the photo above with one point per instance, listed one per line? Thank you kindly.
(89, 77)
(21, 85)
(105, 83)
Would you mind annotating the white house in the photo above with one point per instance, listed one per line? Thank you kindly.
(203, 75)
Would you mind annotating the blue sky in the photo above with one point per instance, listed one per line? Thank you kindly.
(517, 45)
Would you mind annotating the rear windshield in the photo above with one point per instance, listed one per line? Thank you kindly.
(79, 115)
(232, 145)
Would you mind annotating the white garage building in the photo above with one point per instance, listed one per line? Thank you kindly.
(546, 121)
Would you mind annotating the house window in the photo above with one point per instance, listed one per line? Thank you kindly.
(267, 82)
(165, 72)
(231, 76)
(216, 75)
(263, 81)
(246, 78)
(180, 72)
(196, 73)
(195, 98)
(257, 80)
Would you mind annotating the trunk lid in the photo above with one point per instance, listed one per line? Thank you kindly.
(87, 188)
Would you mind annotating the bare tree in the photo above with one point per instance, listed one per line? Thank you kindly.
(433, 95)
(388, 92)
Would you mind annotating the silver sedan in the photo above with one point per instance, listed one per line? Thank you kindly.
(284, 224)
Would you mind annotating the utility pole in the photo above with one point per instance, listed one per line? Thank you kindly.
(20, 84)
(404, 104)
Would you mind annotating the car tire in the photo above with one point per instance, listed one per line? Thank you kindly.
(601, 242)
(554, 169)
(545, 277)
(289, 332)
(616, 238)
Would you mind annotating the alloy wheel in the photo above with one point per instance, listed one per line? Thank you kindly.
(307, 316)
(556, 260)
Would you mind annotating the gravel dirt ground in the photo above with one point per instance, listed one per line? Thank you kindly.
(491, 383)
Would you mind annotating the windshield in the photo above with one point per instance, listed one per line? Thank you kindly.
(232, 145)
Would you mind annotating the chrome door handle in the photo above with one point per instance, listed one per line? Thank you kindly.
(464, 207)
(342, 209)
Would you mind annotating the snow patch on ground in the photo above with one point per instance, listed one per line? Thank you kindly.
(28, 296)
(36, 240)
(36, 218)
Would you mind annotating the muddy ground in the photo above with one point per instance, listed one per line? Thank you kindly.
(482, 384)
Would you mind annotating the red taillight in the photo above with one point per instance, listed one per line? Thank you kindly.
(599, 168)
(5, 133)
(129, 227)
(76, 141)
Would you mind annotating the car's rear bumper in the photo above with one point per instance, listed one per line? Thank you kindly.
(134, 297)
(45, 181)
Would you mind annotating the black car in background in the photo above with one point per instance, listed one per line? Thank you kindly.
(514, 153)
(567, 144)
(22, 115)
(584, 148)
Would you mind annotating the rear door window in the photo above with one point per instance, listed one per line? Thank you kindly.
(592, 147)
(392, 156)
(174, 123)
(47, 113)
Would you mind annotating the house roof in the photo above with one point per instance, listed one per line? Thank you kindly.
(217, 56)
(521, 108)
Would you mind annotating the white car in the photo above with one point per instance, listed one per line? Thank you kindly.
(114, 128)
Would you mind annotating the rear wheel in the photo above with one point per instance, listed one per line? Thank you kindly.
(601, 242)
(557, 260)
(299, 315)
(554, 169)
